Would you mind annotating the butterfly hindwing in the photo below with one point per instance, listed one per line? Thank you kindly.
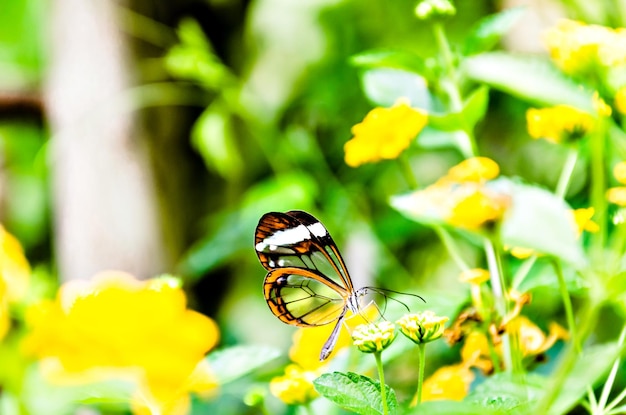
(301, 297)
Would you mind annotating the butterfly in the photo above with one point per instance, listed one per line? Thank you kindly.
(308, 283)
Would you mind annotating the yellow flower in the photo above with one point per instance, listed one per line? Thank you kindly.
(475, 169)
(474, 276)
(579, 49)
(14, 276)
(582, 220)
(617, 195)
(384, 133)
(559, 124)
(448, 383)
(479, 208)
(295, 387)
(532, 341)
(118, 326)
(620, 100)
(475, 352)
(374, 337)
(422, 327)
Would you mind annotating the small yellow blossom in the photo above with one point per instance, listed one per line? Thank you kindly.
(559, 124)
(532, 341)
(619, 171)
(116, 326)
(374, 337)
(384, 133)
(582, 220)
(475, 169)
(295, 387)
(620, 100)
(580, 49)
(474, 276)
(617, 195)
(448, 383)
(475, 352)
(521, 252)
(14, 276)
(479, 208)
(422, 327)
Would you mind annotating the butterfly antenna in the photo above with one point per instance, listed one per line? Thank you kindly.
(385, 291)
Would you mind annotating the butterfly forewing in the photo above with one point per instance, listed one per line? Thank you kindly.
(301, 298)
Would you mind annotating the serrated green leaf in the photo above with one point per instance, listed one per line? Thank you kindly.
(489, 30)
(383, 87)
(539, 220)
(530, 78)
(508, 393)
(235, 362)
(355, 392)
(387, 58)
(213, 137)
(450, 408)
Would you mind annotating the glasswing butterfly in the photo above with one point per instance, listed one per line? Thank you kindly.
(308, 283)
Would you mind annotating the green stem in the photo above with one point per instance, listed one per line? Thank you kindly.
(566, 173)
(498, 289)
(588, 320)
(608, 385)
(598, 190)
(407, 172)
(451, 247)
(567, 303)
(308, 408)
(381, 377)
(417, 398)
(449, 85)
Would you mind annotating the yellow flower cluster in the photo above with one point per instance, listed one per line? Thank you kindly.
(14, 276)
(422, 327)
(461, 197)
(617, 194)
(579, 49)
(295, 387)
(374, 337)
(116, 326)
(384, 133)
(559, 124)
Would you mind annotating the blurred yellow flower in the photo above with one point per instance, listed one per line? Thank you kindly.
(475, 352)
(475, 169)
(559, 124)
(14, 276)
(532, 341)
(580, 49)
(617, 195)
(384, 133)
(374, 337)
(448, 383)
(479, 208)
(118, 326)
(295, 387)
(521, 252)
(582, 220)
(474, 276)
(422, 327)
(620, 100)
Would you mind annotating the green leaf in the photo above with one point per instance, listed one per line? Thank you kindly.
(590, 368)
(235, 362)
(387, 58)
(383, 87)
(489, 30)
(508, 393)
(474, 109)
(355, 392)
(450, 408)
(530, 78)
(539, 220)
(213, 137)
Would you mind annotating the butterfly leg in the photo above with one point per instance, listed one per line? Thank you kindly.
(328, 347)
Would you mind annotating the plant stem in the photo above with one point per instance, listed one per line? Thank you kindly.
(498, 289)
(450, 86)
(407, 172)
(417, 398)
(598, 190)
(606, 389)
(308, 408)
(451, 247)
(381, 377)
(567, 303)
(566, 173)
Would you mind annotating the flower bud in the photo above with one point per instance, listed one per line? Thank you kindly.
(432, 9)
(422, 327)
